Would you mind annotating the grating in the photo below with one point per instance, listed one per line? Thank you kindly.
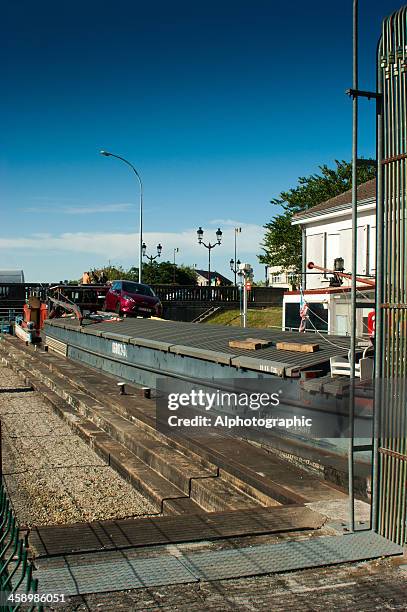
(96, 573)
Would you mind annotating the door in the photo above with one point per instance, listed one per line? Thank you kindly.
(112, 296)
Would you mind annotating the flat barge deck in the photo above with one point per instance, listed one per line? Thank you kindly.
(140, 350)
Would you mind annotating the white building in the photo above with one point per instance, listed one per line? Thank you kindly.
(327, 235)
(281, 279)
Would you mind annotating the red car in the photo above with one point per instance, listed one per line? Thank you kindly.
(127, 297)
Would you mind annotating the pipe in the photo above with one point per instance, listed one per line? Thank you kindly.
(366, 281)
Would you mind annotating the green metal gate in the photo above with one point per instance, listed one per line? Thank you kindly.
(391, 307)
(18, 588)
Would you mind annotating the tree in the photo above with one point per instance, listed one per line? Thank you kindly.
(282, 241)
(163, 274)
(154, 273)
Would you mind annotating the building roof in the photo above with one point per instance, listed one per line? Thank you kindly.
(11, 276)
(366, 192)
(214, 275)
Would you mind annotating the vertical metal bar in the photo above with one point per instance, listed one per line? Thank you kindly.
(379, 290)
(235, 265)
(1, 451)
(354, 268)
(304, 258)
(244, 302)
(140, 243)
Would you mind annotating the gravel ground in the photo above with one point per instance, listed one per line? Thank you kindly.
(52, 476)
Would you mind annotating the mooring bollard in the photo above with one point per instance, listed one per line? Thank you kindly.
(121, 386)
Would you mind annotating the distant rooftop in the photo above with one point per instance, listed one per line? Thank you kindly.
(11, 276)
(214, 276)
(366, 192)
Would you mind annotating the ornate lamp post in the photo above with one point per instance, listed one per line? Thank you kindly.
(209, 246)
(234, 266)
(237, 231)
(151, 258)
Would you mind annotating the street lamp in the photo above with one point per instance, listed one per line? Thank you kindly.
(140, 258)
(235, 269)
(151, 258)
(237, 231)
(209, 246)
(176, 250)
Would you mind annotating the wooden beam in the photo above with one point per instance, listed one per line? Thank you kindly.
(297, 346)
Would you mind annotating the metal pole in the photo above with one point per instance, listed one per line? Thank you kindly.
(354, 269)
(235, 256)
(140, 257)
(175, 251)
(209, 265)
(108, 154)
(304, 258)
(378, 340)
(244, 302)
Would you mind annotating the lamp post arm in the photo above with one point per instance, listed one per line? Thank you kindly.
(141, 212)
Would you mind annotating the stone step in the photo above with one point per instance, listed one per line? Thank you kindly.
(129, 449)
(142, 412)
(166, 461)
(146, 480)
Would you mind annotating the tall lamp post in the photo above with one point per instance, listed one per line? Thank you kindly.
(237, 231)
(176, 250)
(151, 258)
(209, 246)
(140, 255)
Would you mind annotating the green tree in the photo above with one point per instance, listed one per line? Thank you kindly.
(282, 241)
(118, 272)
(153, 273)
(163, 274)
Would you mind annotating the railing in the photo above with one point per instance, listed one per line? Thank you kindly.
(18, 588)
(14, 295)
(256, 295)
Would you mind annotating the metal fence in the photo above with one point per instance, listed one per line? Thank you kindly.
(391, 313)
(14, 295)
(18, 588)
(256, 295)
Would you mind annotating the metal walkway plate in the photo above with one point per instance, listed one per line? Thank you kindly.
(56, 540)
(102, 572)
(288, 556)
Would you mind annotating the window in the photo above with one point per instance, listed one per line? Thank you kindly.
(130, 287)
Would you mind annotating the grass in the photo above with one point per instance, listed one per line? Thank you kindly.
(256, 317)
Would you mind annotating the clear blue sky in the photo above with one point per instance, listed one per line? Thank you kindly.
(219, 104)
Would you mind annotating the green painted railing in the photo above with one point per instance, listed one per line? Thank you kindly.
(18, 588)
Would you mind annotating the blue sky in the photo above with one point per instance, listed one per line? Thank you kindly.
(220, 105)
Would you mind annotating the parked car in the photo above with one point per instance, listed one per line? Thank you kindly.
(127, 297)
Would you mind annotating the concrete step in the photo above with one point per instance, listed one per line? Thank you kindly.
(146, 480)
(166, 461)
(131, 450)
(142, 412)
(182, 505)
(252, 470)
(218, 494)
